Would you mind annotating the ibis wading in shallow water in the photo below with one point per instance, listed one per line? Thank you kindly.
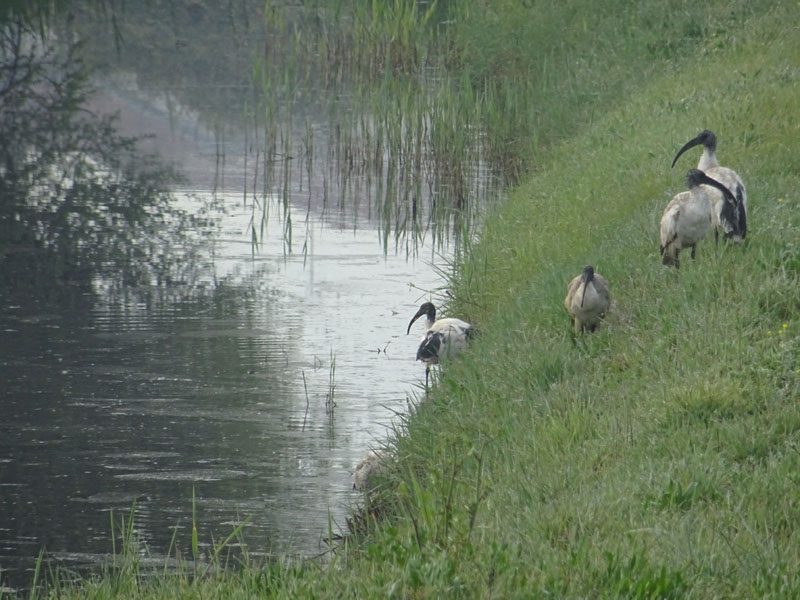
(443, 338)
(687, 218)
(731, 216)
(588, 299)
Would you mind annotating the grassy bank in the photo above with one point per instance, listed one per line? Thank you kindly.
(659, 457)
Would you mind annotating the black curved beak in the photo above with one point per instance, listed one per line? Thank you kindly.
(690, 144)
(586, 278)
(714, 183)
(420, 312)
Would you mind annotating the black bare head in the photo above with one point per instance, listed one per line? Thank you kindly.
(696, 177)
(427, 309)
(706, 138)
(588, 274)
(586, 277)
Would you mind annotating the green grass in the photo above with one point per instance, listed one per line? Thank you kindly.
(658, 458)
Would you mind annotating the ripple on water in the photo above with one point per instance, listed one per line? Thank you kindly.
(112, 497)
(185, 475)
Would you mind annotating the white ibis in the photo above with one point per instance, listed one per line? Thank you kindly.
(688, 217)
(370, 465)
(588, 299)
(442, 339)
(731, 216)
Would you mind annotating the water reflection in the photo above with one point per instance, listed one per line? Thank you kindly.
(186, 359)
(147, 394)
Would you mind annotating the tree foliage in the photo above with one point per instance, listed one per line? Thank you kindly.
(73, 192)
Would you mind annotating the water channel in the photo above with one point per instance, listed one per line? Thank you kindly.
(255, 385)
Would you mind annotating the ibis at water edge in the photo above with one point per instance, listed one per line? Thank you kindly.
(442, 339)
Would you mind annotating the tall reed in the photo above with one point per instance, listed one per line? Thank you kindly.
(403, 137)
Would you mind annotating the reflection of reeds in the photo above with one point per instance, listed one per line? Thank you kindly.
(398, 141)
(329, 401)
(305, 388)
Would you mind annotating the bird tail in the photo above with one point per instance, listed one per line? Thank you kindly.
(431, 347)
(669, 256)
(733, 217)
(742, 216)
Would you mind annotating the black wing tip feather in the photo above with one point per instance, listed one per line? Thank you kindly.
(742, 211)
(430, 347)
(734, 216)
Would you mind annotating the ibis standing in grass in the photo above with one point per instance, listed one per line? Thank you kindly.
(688, 216)
(730, 216)
(588, 299)
(442, 339)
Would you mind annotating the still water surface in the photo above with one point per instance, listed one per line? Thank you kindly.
(112, 395)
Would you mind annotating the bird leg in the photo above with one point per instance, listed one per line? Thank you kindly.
(693, 248)
(427, 371)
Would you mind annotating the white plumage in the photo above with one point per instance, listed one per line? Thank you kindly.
(442, 339)
(729, 215)
(370, 465)
(588, 299)
(688, 216)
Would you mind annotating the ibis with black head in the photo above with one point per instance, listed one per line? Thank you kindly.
(443, 338)
(588, 299)
(728, 215)
(688, 216)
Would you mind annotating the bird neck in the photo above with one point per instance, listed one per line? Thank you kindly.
(699, 195)
(708, 160)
